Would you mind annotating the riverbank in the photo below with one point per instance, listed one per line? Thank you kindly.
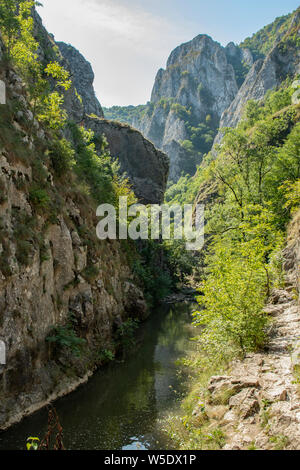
(121, 405)
(251, 403)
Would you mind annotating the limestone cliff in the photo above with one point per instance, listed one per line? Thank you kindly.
(266, 73)
(53, 270)
(146, 167)
(206, 86)
(59, 285)
(197, 86)
(82, 77)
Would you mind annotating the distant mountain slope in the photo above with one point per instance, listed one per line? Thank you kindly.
(205, 86)
(262, 42)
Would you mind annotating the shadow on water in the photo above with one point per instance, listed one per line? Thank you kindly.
(120, 406)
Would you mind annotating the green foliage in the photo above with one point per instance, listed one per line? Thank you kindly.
(95, 169)
(180, 260)
(62, 76)
(39, 198)
(90, 273)
(181, 111)
(106, 355)
(257, 168)
(9, 23)
(66, 337)
(62, 155)
(22, 49)
(233, 298)
(53, 115)
(125, 114)
(125, 335)
(52, 112)
(264, 40)
(152, 272)
(32, 443)
(292, 195)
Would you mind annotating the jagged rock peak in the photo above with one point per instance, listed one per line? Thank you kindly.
(198, 84)
(197, 44)
(201, 61)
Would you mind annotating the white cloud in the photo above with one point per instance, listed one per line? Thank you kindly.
(125, 44)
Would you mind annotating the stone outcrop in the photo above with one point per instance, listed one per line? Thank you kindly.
(264, 75)
(199, 77)
(82, 76)
(146, 167)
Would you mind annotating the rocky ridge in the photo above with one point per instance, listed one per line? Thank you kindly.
(264, 75)
(146, 167)
(206, 86)
(199, 78)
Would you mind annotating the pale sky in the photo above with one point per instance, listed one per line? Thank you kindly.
(127, 41)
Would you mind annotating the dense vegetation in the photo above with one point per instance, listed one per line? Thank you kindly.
(126, 114)
(264, 40)
(78, 161)
(256, 180)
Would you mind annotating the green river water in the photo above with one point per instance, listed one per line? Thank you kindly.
(120, 407)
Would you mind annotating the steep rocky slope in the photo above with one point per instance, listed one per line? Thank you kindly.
(267, 73)
(52, 268)
(205, 87)
(146, 168)
(82, 77)
(196, 87)
(59, 285)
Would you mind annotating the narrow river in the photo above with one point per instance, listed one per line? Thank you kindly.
(121, 405)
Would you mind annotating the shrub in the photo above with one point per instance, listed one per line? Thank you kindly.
(39, 198)
(125, 333)
(62, 156)
(65, 337)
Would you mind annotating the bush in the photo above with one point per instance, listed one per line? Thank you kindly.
(125, 333)
(65, 337)
(233, 298)
(62, 156)
(39, 198)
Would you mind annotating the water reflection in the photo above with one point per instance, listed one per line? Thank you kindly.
(119, 407)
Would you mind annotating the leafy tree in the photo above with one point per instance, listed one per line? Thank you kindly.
(9, 23)
(233, 299)
(257, 171)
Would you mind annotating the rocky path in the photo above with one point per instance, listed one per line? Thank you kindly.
(258, 405)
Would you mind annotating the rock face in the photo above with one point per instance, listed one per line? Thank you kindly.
(199, 78)
(82, 76)
(264, 75)
(57, 279)
(146, 167)
(206, 86)
(53, 272)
